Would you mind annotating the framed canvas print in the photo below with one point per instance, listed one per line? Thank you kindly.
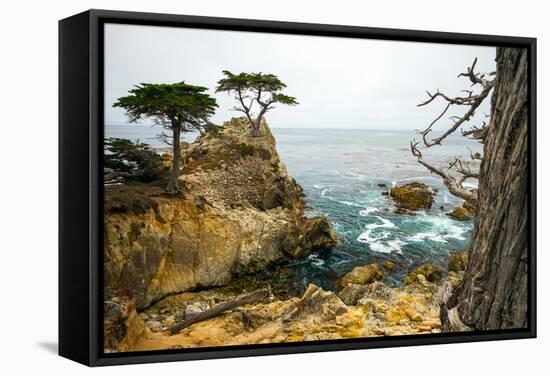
(236, 187)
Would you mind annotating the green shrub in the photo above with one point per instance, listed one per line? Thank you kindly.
(134, 159)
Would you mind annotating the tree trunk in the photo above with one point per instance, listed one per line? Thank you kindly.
(253, 297)
(493, 292)
(255, 131)
(173, 184)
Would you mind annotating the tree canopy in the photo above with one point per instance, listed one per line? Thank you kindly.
(179, 107)
(169, 105)
(263, 90)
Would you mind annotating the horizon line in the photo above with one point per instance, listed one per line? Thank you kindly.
(327, 128)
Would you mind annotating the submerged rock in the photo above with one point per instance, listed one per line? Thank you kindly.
(361, 275)
(412, 196)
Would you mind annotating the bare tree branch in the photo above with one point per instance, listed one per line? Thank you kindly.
(473, 101)
(476, 155)
(454, 186)
(477, 133)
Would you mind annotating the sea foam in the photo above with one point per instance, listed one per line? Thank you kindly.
(377, 240)
(367, 211)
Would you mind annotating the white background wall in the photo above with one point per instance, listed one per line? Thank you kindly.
(28, 185)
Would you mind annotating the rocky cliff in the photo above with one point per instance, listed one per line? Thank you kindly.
(240, 213)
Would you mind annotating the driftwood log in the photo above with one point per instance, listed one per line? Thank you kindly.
(253, 297)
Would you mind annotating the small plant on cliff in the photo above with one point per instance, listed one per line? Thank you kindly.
(177, 107)
(133, 160)
(250, 89)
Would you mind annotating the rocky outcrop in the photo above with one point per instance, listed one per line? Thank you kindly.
(123, 328)
(361, 275)
(241, 212)
(464, 212)
(460, 214)
(412, 196)
(428, 272)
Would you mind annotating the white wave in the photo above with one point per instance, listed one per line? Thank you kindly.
(324, 191)
(368, 237)
(317, 186)
(315, 260)
(365, 212)
(348, 203)
(421, 236)
(390, 246)
(442, 227)
(456, 232)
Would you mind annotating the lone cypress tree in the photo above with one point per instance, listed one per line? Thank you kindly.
(252, 89)
(177, 107)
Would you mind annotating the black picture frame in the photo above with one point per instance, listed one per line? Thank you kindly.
(80, 185)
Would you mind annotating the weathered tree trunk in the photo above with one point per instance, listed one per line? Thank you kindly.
(493, 292)
(173, 184)
(253, 297)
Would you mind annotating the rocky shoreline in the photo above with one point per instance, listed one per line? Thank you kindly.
(358, 310)
(169, 257)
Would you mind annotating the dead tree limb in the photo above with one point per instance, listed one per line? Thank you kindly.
(253, 297)
(473, 101)
(454, 186)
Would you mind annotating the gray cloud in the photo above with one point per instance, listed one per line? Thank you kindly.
(339, 82)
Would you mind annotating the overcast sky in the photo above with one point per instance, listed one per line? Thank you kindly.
(339, 82)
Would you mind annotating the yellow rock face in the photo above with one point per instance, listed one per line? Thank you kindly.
(361, 275)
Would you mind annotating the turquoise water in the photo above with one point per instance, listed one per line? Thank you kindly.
(343, 173)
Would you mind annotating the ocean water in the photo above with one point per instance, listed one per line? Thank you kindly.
(343, 174)
(143, 133)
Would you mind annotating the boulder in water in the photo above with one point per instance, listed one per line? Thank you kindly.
(460, 214)
(413, 196)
